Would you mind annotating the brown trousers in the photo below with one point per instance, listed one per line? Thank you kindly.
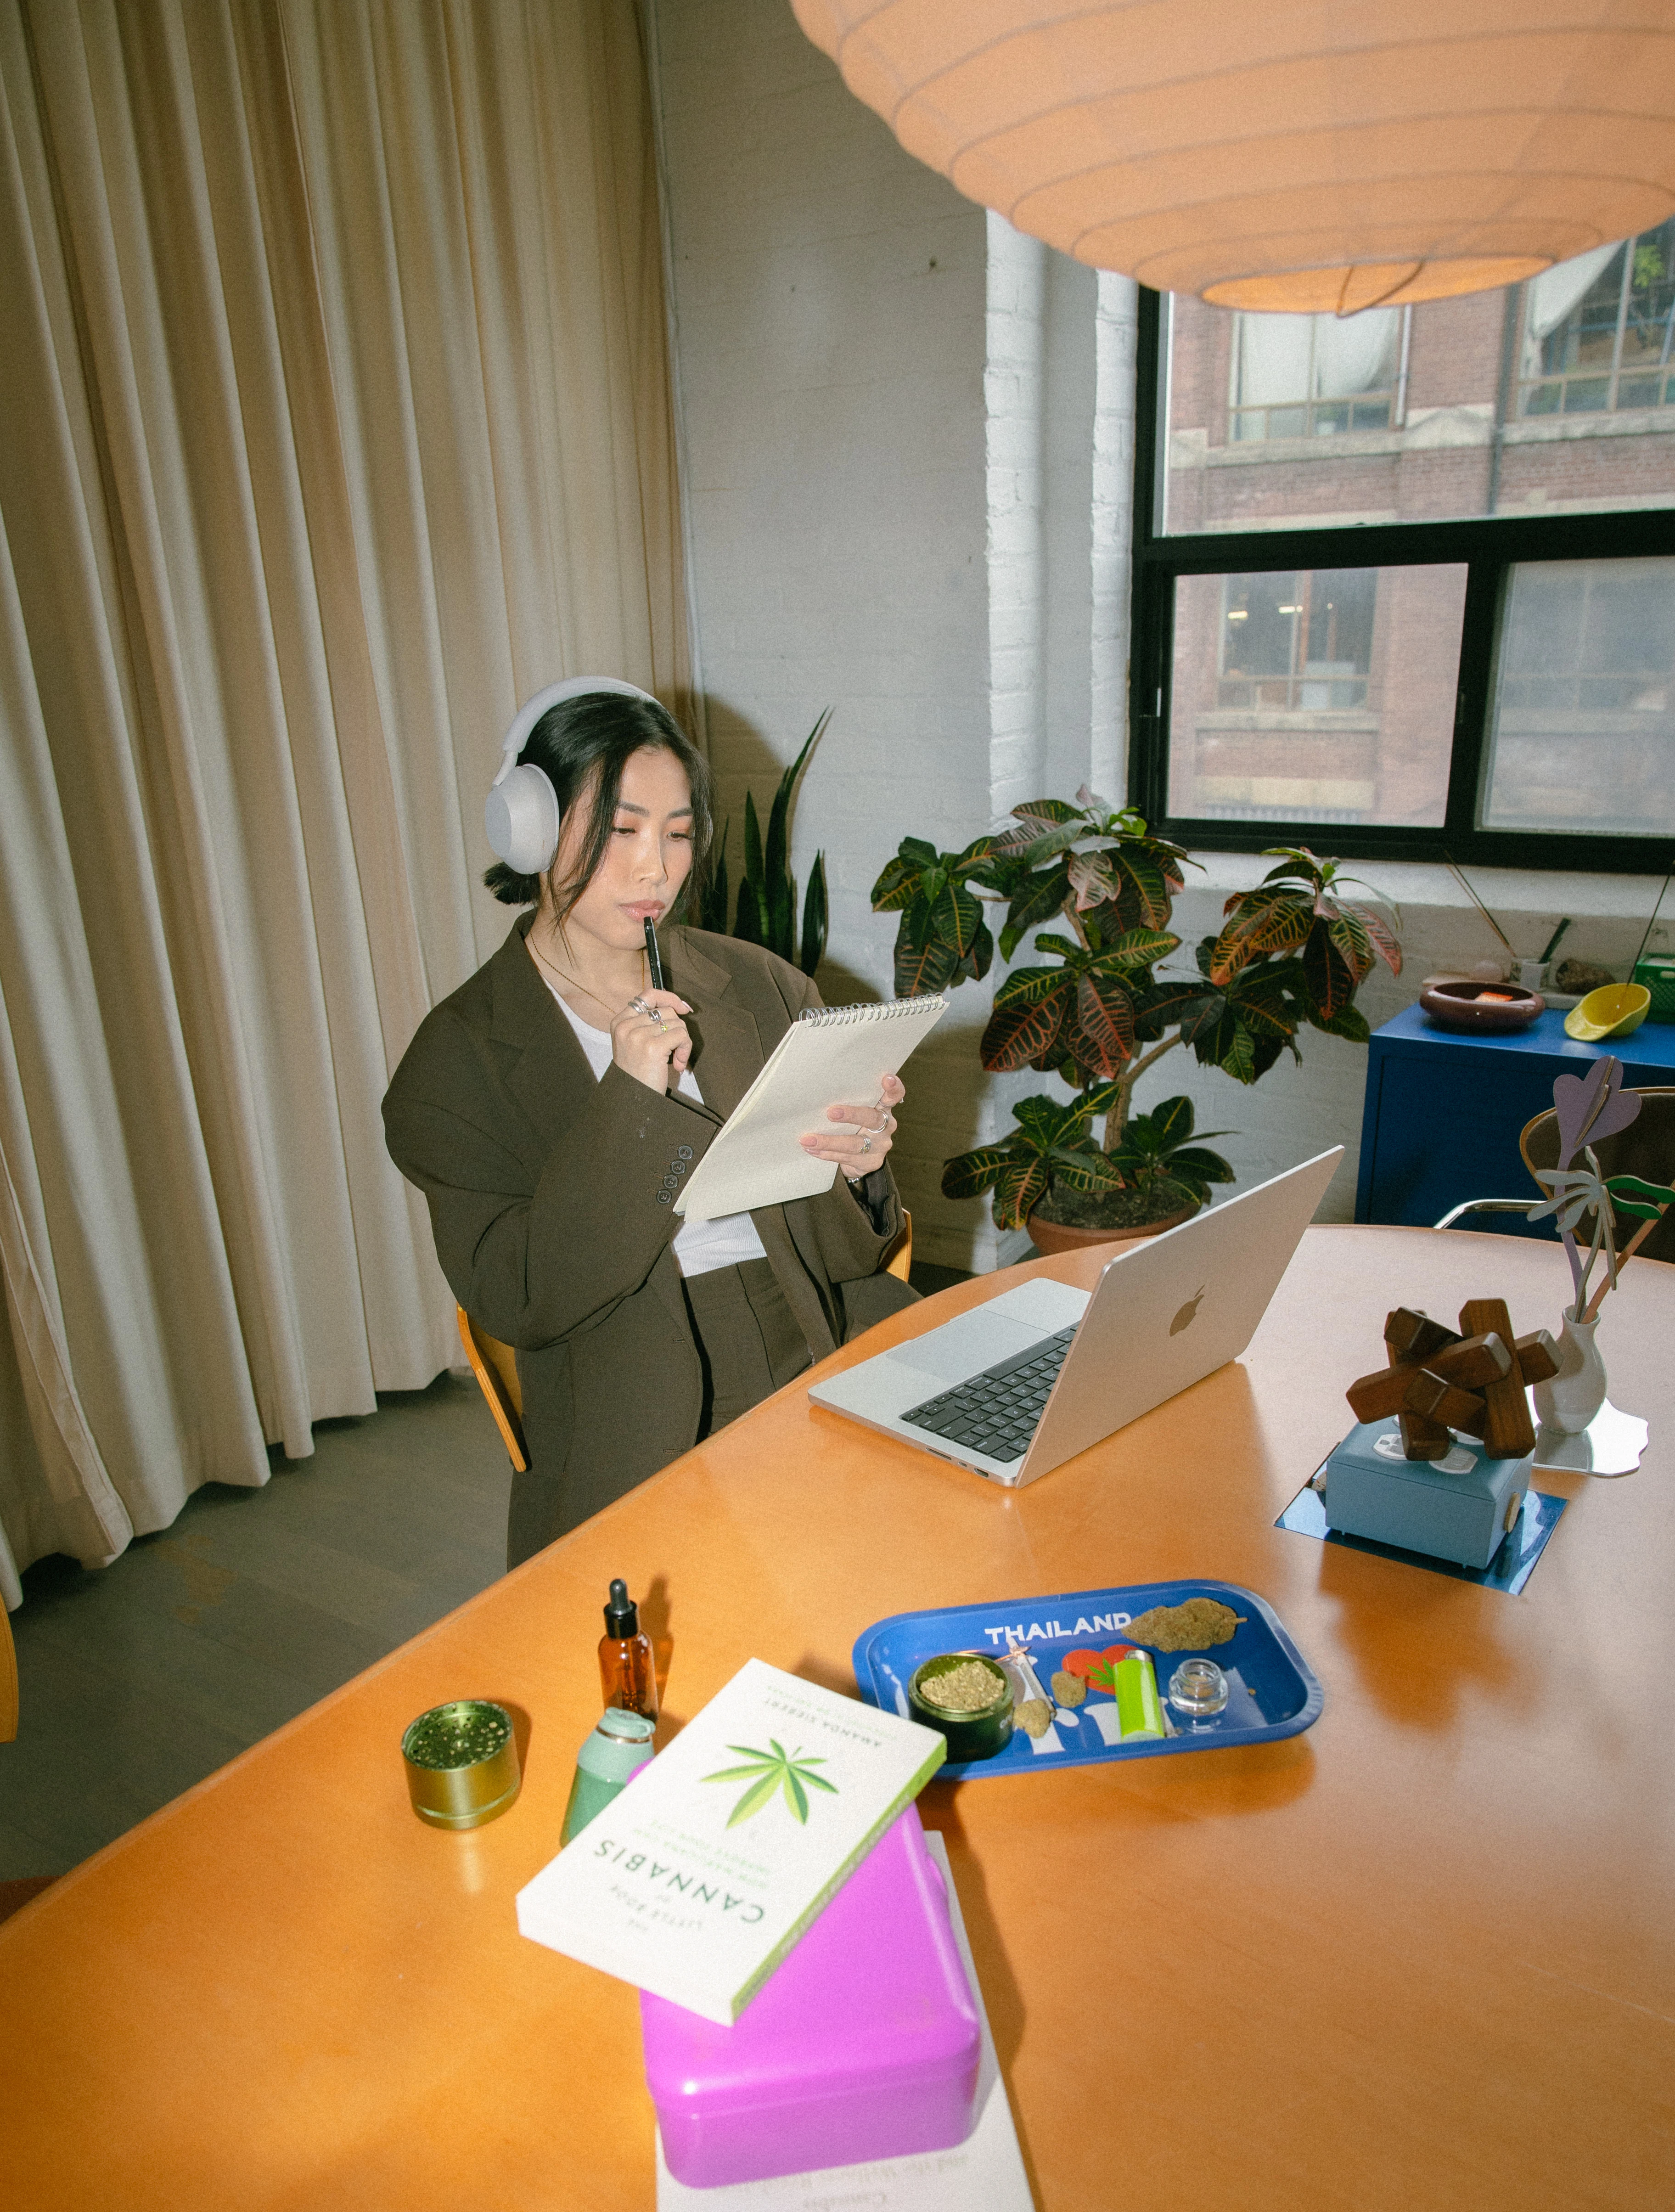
(748, 1340)
(749, 1347)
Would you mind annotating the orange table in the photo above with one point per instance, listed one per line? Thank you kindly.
(1422, 1957)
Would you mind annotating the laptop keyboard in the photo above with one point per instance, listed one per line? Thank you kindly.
(996, 1413)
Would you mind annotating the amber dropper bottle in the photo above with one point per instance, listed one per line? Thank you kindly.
(626, 1672)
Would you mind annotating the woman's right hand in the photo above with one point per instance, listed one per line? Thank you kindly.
(648, 1038)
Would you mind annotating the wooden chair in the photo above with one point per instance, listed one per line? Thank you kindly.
(495, 1364)
(1646, 1148)
(13, 1895)
(8, 1680)
(899, 1257)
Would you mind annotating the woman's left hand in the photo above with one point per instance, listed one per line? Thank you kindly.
(862, 1142)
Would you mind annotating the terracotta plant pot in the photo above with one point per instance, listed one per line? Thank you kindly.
(1051, 1236)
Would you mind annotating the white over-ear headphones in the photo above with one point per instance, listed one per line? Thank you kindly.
(520, 814)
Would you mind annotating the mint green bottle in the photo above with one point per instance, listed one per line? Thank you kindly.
(620, 1746)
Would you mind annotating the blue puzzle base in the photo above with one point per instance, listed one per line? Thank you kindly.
(1509, 1570)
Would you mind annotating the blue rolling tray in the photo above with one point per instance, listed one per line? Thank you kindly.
(1273, 1692)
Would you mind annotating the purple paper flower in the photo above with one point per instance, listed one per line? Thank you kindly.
(1592, 1106)
(1587, 1108)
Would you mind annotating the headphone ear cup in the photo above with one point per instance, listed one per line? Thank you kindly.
(521, 819)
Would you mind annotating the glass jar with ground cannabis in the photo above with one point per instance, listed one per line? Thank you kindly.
(966, 1698)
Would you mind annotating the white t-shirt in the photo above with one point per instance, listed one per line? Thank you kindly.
(701, 1246)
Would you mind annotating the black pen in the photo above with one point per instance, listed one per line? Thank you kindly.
(653, 961)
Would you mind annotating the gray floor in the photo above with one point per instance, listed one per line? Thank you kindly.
(138, 1680)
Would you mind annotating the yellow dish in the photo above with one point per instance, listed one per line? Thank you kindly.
(1614, 1010)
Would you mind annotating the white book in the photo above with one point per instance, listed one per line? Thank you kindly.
(986, 2170)
(698, 1879)
(831, 1056)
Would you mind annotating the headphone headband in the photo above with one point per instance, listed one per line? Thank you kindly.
(572, 687)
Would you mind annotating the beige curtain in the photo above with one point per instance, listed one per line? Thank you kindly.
(337, 420)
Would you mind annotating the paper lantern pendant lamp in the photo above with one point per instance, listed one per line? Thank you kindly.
(1302, 158)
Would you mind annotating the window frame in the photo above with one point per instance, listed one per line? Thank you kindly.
(1488, 546)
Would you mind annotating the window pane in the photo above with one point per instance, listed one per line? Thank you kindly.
(1597, 331)
(1582, 734)
(1323, 694)
(1557, 397)
(1309, 375)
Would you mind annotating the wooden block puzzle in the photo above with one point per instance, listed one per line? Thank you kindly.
(1472, 1379)
(1408, 1336)
(1508, 1431)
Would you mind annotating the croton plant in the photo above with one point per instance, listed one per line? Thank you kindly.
(1098, 1007)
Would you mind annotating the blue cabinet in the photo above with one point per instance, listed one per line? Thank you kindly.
(1444, 1110)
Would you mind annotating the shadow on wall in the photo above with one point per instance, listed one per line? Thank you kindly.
(943, 1115)
(745, 762)
(945, 1112)
(742, 757)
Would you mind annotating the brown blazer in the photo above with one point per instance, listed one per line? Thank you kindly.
(551, 1200)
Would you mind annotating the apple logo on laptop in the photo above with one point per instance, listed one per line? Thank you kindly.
(1188, 1313)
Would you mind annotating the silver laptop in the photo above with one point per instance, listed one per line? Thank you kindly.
(1016, 1387)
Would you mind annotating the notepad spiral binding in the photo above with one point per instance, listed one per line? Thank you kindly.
(867, 1011)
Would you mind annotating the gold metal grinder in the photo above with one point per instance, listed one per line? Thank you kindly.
(462, 1763)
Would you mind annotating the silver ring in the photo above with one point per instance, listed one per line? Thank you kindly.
(866, 1140)
(637, 1006)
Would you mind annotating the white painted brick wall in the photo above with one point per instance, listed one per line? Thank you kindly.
(1014, 401)
(1112, 506)
(829, 306)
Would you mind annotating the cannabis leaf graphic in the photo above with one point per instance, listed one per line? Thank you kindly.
(771, 1770)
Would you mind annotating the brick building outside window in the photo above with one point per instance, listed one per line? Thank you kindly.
(1331, 694)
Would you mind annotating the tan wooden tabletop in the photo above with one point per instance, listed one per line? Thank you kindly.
(1421, 1956)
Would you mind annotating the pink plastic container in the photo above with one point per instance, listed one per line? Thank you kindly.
(862, 2045)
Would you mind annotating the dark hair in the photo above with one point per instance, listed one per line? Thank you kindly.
(581, 745)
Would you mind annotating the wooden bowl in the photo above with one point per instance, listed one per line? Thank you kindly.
(1482, 1006)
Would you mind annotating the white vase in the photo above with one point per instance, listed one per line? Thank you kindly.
(1567, 1402)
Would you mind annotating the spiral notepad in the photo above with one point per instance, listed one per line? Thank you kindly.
(833, 1056)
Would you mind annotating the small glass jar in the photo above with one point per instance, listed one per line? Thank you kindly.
(972, 1732)
(1198, 1690)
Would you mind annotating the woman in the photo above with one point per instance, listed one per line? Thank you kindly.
(549, 1106)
